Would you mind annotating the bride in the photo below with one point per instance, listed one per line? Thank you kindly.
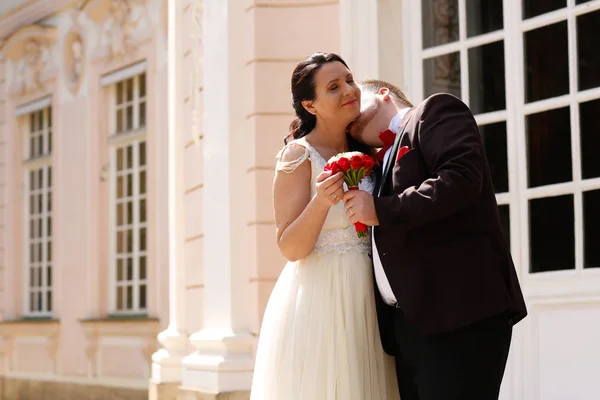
(319, 339)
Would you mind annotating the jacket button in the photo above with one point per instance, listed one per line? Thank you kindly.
(384, 254)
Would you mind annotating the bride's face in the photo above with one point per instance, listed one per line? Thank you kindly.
(337, 97)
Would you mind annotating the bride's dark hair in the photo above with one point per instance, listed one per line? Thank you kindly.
(303, 88)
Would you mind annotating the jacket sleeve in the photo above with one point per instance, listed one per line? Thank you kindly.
(452, 149)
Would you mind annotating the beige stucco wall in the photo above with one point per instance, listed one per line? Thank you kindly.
(280, 38)
(81, 345)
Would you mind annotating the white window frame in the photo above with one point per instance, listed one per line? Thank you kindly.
(36, 163)
(538, 284)
(121, 140)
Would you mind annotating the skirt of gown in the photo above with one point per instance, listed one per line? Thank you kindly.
(319, 338)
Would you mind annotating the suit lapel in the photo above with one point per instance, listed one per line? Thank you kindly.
(391, 158)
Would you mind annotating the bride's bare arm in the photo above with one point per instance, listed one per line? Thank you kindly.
(298, 217)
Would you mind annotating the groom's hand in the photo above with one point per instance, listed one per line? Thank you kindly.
(360, 207)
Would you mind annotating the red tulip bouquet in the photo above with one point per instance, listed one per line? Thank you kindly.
(355, 166)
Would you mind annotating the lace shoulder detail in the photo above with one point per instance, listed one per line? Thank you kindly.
(290, 166)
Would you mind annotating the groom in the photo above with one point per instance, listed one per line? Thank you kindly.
(447, 291)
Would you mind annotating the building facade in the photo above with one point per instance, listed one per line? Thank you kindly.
(137, 145)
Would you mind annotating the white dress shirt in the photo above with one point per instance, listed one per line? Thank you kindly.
(382, 281)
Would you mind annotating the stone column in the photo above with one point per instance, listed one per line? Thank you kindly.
(223, 360)
(359, 37)
(166, 362)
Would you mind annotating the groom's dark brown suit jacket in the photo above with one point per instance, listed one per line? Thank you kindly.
(440, 239)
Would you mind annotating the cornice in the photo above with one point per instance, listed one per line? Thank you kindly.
(29, 13)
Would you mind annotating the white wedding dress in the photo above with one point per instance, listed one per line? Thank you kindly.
(319, 338)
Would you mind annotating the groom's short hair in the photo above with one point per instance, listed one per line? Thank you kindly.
(374, 85)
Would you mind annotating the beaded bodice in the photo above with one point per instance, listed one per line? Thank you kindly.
(337, 234)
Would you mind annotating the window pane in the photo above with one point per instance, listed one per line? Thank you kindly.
(142, 296)
(588, 56)
(129, 297)
(442, 74)
(40, 144)
(504, 212)
(129, 185)
(546, 62)
(440, 22)
(142, 239)
(486, 78)
(120, 242)
(120, 120)
(129, 83)
(142, 182)
(591, 217)
(142, 267)
(143, 85)
(590, 139)
(129, 156)
(120, 298)
(552, 246)
(532, 8)
(142, 210)
(119, 159)
(142, 114)
(120, 218)
(142, 150)
(494, 142)
(129, 118)
(119, 92)
(49, 300)
(483, 16)
(119, 187)
(549, 147)
(129, 269)
(119, 270)
(129, 241)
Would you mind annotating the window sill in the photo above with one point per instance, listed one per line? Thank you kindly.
(30, 326)
(121, 325)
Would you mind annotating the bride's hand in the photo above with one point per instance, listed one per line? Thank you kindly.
(330, 188)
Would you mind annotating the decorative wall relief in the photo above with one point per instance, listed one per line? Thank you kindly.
(74, 60)
(117, 30)
(29, 52)
(122, 25)
(198, 69)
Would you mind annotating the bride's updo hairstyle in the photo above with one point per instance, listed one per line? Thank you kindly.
(303, 88)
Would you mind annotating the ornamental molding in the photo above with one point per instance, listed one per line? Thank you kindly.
(29, 55)
(122, 24)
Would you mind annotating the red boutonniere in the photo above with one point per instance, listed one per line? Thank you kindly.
(401, 152)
